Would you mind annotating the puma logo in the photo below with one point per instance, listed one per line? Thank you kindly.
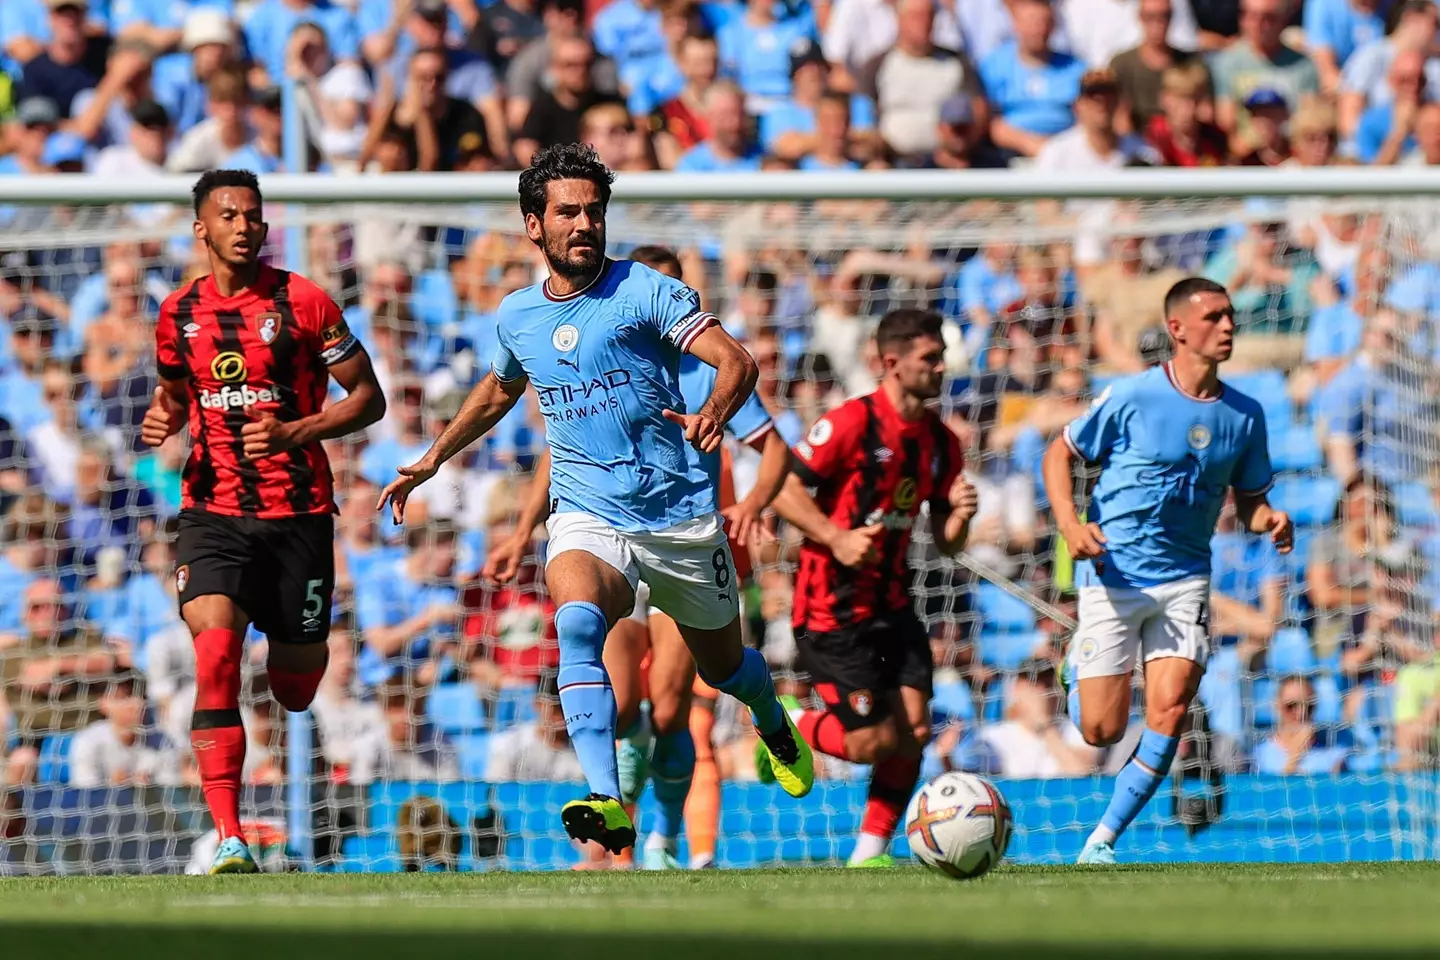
(568, 363)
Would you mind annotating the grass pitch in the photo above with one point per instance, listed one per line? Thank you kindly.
(1180, 912)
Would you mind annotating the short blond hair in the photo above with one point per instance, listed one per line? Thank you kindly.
(1314, 116)
(1186, 79)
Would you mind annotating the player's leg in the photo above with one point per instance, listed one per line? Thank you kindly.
(625, 650)
(702, 806)
(692, 578)
(859, 720)
(1175, 641)
(211, 553)
(672, 760)
(301, 565)
(590, 576)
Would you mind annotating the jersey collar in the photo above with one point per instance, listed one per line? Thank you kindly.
(1170, 375)
(545, 285)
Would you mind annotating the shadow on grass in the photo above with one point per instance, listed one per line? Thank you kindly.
(57, 940)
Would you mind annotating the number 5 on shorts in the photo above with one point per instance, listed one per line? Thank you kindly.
(314, 601)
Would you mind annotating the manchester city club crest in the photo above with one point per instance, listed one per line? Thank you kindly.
(1088, 649)
(267, 327)
(565, 338)
(1199, 436)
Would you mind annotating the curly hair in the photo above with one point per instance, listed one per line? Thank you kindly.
(565, 161)
(212, 180)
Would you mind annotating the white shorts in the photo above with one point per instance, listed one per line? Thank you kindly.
(688, 567)
(1116, 623)
(643, 609)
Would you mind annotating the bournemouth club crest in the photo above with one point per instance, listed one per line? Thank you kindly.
(267, 327)
(862, 703)
(182, 577)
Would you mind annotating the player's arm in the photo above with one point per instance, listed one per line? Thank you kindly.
(1252, 481)
(824, 453)
(504, 561)
(735, 376)
(166, 414)
(362, 405)
(952, 511)
(486, 406)
(1089, 438)
(775, 459)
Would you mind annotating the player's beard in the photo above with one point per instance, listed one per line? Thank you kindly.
(557, 255)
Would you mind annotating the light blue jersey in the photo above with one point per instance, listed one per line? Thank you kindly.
(751, 421)
(605, 362)
(1167, 460)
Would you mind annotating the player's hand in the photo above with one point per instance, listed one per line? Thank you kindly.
(399, 489)
(1086, 542)
(851, 548)
(162, 419)
(703, 431)
(964, 500)
(504, 561)
(745, 523)
(1282, 531)
(264, 436)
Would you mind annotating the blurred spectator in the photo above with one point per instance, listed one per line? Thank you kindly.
(680, 124)
(224, 132)
(1247, 588)
(655, 78)
(30, 529)
(55, 443)
(1266, 141)
(406, 612)
(1177, 132)
(1314, 136)
(1126, 294)
(831, 149)
(1295, 747)
(1340, 568)
(59, 71)
(1413, 25)
(1399, 626)
(145, 154)
(958, 136)
(555, 114)
(1333, 334)
(538, 751)
(362, 554)
(755, 52)
(1033, 741)
(1140, 70)
(118, 751)
(509, 28)
(1031, 85)
(1427, 138)
(1386, 130)
(109, 508)
(1259, 60)
(1102, 29)
(629, 32)
(1417, 713)
(1093, 144)
(343, 98)
(270, 24)
(182, 83)
(608, 128)
(728, 148)
(407, 746)
(468, 76)
(438, 122)
(388, 453)
(509, 631)
(858, 31)
(986, 284)
(52, 671)
(788, 129)
(345, 723)
(22, 396)
(35, 121)
(102, 115)
(1335, 29)
(913, 79)
(530, 72)
(1270, 279)
(264, 153)
(25, 27)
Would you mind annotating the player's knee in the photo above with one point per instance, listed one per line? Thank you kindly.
(1103, 731)
(666, 716)
(872, 744)
(1166, 718)
(921, 734)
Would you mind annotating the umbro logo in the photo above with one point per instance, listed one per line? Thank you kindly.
(192, 330)
(884, 454)
(722, 596)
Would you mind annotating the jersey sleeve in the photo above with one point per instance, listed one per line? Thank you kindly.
(828, 446)
(505, 366)
(167, 347)
(675, 310)
(752, 421)
(1253, 474)
(337, 343)
(1094, 433)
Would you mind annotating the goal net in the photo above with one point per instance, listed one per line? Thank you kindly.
(434, 744)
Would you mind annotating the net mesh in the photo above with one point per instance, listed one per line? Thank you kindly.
(1316, 738)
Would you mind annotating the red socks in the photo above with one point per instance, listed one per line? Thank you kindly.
(824, 731)
(892, 780)
(294, 691)
(216, 733)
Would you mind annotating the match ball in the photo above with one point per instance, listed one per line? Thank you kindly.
(959, 824)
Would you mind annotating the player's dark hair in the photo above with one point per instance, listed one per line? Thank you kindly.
(898, 327)
(655, 256)
(212, 180)
(564, 161)
(1187, 288)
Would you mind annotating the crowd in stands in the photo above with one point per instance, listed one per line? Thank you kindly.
(1324, 660)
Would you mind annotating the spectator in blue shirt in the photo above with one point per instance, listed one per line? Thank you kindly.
(755, 52)
(102, 115)
(1030, 85)
(31, 529)
(470, 77)
(1413, 26)
(1333, 333)
(109, 509)
(788, 129)
(985, 286)
(655, 79)
(1386, 130)
(831, 145)
(728, 148)
(26, 26)
(35, 121)
(180, 81)
(1247, 587)
(1295, 747)
(264, 153)
(407, 613)
(271, 22)
(161, 23)
(1334, 29)
(629, 32)
(59, 71)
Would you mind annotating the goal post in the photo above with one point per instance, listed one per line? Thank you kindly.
(1319, 737)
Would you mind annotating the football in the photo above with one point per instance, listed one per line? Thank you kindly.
(959, 824)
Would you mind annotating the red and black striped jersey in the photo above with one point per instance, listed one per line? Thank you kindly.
(270, 347)
(868, 465)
